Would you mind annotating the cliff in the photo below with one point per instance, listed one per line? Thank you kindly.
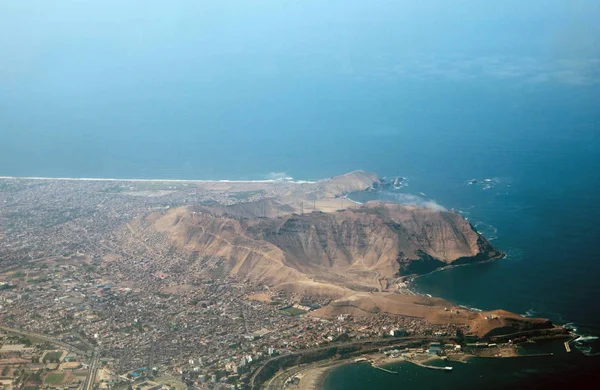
(355, 256)
(367, 248)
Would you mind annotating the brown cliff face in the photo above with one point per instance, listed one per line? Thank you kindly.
(354, 256)
(366, 248)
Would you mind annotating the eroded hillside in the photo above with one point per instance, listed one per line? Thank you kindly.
(366, 248)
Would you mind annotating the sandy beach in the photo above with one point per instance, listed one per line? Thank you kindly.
(158, 180)
(313, 379)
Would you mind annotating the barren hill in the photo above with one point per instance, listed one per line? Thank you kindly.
(367, 248)
(433, 310)
(349, 182)
(357, 256)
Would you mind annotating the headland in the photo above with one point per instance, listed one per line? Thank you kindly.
(306, 274)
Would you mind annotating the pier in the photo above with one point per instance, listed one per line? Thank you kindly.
(447, 368)
(363, 360)
(529, 355)
(386, 370)
(533, 355)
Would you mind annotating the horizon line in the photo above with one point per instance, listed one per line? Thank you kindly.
(157, 180)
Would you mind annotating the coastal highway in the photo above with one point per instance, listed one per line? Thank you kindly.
(278, 381)
(370, 343)
(253, 384)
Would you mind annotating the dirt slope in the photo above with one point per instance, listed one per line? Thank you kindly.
(367, 248)
(433, 310)
(356, 255)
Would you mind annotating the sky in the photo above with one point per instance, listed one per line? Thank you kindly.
(137, 74)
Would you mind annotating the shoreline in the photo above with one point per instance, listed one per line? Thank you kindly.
(314, 378)
(411, 278)
(155, 180)
(313, 375)
(410, 286)
(318, 375)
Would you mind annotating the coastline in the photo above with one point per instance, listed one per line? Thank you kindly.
(410, 278)
(314, 378)
(155, 180)
(377, 361)
(317, 376)
(314, 375)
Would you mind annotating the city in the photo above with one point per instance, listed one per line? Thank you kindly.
(100, 303)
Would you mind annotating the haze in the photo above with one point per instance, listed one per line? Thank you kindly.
(193, 89)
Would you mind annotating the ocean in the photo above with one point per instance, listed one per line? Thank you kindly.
(559, 371)
(535, 157)
(504, 93)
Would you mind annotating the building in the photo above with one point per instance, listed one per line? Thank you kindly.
(435, 348)
(398, 333)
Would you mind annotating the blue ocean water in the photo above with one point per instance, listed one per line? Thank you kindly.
(558, 371)
(538, 145)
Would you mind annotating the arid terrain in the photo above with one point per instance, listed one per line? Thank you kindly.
(433, 310)
(364, 248)
(215, 279)
(358, 256)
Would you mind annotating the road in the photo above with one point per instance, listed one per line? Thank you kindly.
(89, 381)
(370, 343)
(43, 338)
(151, 357)
(278, 381)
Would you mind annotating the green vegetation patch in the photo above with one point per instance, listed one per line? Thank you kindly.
(293, 311)
(170, 381)
(52, 357)
(54, 379)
